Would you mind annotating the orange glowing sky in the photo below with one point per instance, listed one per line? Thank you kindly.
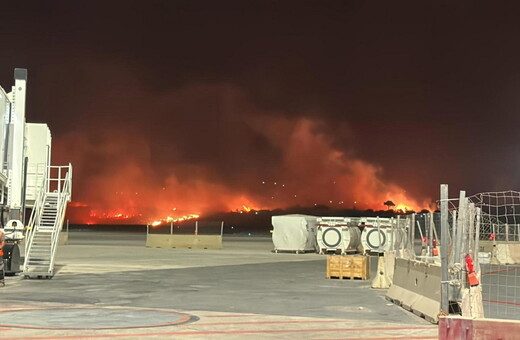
(307, 170)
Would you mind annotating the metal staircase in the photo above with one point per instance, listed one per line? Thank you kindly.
(46, 223)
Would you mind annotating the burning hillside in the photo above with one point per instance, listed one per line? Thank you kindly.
(234, 162)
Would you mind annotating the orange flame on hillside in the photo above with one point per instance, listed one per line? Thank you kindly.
(311, 170)
(403, 208)
(170, 219)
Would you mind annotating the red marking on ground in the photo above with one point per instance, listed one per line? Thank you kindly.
(501, 271)
(387, 338)
(503, 302)
(5, 329)
(267, 331)
(227, 316)
(265, 322)
(183, 320)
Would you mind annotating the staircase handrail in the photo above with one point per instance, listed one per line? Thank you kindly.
(35, 219)
(64, 196)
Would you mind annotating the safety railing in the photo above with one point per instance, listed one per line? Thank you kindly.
(59, 179)
(64, 191)
(34, 219)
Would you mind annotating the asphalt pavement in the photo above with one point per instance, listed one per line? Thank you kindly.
(109, 285)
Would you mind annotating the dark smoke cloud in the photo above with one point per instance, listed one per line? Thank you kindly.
(207, 148)
(201, 94)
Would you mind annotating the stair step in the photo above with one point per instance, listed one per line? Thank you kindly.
(39, 264)
(44, 238)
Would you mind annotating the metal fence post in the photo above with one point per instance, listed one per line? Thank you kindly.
(412, 235)
(444, 249)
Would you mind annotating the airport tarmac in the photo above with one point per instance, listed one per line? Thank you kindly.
(109, 285)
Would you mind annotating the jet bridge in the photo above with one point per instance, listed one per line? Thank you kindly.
(26, 184)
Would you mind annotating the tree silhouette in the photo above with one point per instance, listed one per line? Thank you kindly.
(389, 204)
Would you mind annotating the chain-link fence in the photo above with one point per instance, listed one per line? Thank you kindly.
(499, 252)
(483, 254)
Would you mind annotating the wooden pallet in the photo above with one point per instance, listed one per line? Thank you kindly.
(338, 251)
(352, 267)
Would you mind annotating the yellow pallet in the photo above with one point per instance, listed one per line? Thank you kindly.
(348, 267)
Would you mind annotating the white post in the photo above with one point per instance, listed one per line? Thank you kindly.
(444, 249)
(222, 228)
(392, 238)
(462, 233)
(378, 233)
(398, 229)
(451, 254)
(171, 228)
(471, 226)
(507, 232)
(412, 234)
(458, 231)
(430, 235)
(477, 239)
(420, 232)
(196, 227)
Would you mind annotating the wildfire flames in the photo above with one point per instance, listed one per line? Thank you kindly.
(170, 219)
(403, 208)
(297, 163)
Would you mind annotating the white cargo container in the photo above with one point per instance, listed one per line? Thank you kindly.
(338, 234)
(294, 233)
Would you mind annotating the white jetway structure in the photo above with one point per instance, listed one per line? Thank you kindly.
(29, 183)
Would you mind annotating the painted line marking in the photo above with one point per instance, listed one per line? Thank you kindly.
(392, 337)
(185, 318)
(502, 302)
(187, 333)
(501, 271)
(228, 316)
(268, 322)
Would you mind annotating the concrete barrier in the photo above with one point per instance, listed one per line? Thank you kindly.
(471, 305)
(501, 252)
(507, 253)
(184, 241)
(417, 288)
(385, 270)
(456, 327)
